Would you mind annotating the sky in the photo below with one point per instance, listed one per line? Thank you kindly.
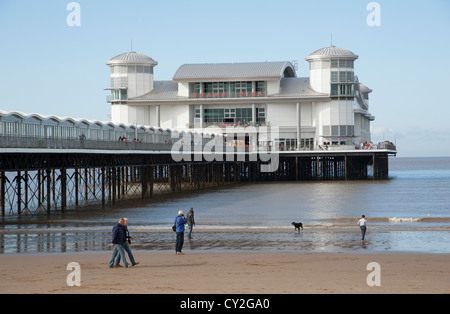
(51, 67)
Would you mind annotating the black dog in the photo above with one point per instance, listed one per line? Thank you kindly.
(297, 226)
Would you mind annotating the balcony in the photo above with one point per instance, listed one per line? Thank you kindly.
(227, 94)
(112, 98)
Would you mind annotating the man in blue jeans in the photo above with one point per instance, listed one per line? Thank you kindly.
(180, 221)
(126, 246)
(118, 240)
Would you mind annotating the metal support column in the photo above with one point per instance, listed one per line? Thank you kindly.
(2, 192)
(19, 193)
(63, 179)
(49, 199)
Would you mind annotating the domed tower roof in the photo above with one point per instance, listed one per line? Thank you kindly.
(132, 57)
(332, 52)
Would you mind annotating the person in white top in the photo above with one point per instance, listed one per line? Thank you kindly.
(363, 226)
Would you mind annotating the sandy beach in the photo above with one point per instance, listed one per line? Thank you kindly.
(162, 272)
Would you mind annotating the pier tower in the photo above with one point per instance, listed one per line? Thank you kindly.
(344, 120)
(131, 76)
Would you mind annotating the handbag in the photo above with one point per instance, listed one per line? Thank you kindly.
(174, 227)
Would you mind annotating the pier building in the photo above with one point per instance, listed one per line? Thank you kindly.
(327, 110)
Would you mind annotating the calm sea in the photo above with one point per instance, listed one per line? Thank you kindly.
(410, 212)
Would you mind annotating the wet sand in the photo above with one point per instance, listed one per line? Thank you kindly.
(162, 272)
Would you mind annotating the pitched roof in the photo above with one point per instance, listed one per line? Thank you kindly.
(233, 71)
(297, 87)
(162, 90)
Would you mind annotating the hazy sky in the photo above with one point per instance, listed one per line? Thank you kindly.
(49, 67)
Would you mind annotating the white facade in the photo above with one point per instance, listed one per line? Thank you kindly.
(328, 109)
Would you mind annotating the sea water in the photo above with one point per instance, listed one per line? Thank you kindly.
(409, 212)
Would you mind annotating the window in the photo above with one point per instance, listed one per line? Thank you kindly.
(118, 82)
(350, 130)
(236, 116)
(261, 116)
(342, 63)
(307, 144)
(261, 112)
(123, 94)
(119, 69)
(261, 88)
(122, 81)
(197, 88)
(334, 77)
(338, 130)
(342, 90)
(346, 64)
(342, 77)
(334, 130)
(242, 88)
(349, 77)
(228, 89)
(208, 88)
(218, 88)
(214, 115)
(230, 113)
(243, 115)
(334, 89)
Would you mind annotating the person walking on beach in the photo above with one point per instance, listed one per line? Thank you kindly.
(126, 246)
(180, 221)
(118, 241)
(363, 226)
(190, 221)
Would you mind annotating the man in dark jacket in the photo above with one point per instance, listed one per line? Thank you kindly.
(190, 221)
(118, 241)
(126, 246)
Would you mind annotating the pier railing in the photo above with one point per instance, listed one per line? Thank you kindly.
(58, 143)
(55, 143)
